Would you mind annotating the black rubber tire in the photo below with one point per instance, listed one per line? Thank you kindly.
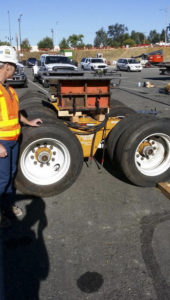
(47, 116)
(25, 85)
(45, 84)
(34, 109)
(59, 133)
(33, 95)
(129, 142)
(120, 128)
(128, 69)
(35, 79)
(121, 111)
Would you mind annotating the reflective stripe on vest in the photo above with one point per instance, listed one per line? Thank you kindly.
(10, 133)
(4, 110)
(13, 93)
(9, 122)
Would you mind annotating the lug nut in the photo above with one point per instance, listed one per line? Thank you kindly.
(35, 162)
(32, 156)
(33, 151)
(53, 159)
(137, 155)
(54, 153)
(41, 165)
(48, 164)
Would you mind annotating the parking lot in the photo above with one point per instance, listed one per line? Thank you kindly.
(103, 238)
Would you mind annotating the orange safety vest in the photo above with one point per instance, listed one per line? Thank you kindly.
(10, 128)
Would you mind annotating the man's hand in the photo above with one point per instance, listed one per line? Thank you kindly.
(35, 122)
(3, 151)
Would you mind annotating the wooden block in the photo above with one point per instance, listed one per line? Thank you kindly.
(65, 113)
(75, 119)
(165, 188)
(100, 117)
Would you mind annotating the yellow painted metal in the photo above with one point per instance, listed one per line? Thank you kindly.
(55, 104)
(86, 140)
(142, 146)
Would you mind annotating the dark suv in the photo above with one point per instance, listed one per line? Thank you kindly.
(31, 62)
(19, 77)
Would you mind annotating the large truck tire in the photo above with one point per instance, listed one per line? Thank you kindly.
(50, 161)
(143, 152)
(30, 95)
(121, 111)
(38, 109)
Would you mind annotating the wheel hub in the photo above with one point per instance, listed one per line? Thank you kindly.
(148, 150)
(43, 155)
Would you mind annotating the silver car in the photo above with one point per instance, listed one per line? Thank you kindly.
(129, 64)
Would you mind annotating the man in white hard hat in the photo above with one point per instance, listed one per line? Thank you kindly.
(10, 130)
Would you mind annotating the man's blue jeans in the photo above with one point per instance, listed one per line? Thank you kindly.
(8, 168)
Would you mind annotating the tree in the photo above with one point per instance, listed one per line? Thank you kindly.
(4, 43)
(89, 46)
(76, 40)
(64, 44)
(25, 44)
(129, 42)
(101, 38)
(154, 36)
(162, 35)
(138, 37)
(116, 32)
(46, 43)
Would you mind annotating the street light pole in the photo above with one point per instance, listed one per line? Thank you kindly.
(19, 21)
(56, 33)
(10, 39)
(166, 12)
(52, 31)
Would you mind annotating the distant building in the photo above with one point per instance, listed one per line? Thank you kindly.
(34, 49)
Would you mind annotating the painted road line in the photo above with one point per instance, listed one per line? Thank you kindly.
(40, 88)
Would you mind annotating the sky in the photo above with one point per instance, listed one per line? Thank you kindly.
(69, 17)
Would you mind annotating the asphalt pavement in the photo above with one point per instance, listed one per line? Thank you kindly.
(103, 238)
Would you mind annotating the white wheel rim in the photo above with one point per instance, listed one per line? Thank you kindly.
(152, 156)
(45, 161)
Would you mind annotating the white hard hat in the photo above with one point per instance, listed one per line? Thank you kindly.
(8, 55)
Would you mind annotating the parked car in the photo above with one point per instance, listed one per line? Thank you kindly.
(94, 64)
(49, 61)
(129, 64)
(49, 64)
(82, 62)
(31, 62)
(19, 78)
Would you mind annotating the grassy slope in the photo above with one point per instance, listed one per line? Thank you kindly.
(109, 54)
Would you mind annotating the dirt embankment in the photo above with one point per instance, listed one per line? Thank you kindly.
(109, 54)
